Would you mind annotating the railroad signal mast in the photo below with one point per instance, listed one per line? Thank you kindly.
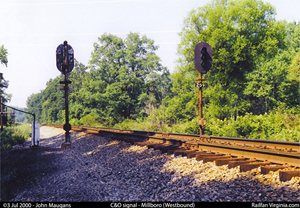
(65, 64)
(203, 63)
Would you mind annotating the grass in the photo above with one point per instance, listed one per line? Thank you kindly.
(14, 135)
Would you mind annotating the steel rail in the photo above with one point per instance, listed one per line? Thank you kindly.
(278, 152)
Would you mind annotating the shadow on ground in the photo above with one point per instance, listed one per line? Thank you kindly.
(23, 167)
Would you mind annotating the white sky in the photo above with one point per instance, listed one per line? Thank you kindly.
(31, 30)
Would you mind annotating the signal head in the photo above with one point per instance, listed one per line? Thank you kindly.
(203, 57)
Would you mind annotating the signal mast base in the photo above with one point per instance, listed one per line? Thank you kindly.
(66, 145)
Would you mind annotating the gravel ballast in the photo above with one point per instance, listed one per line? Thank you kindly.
(102, 169)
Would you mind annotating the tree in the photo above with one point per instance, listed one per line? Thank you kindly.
(124, 76)
(124, 71)
(3, 55)
(294, 77)
(294, 69)
(34, 105)
(264, 84)
(48, 105)
(53, 102)
(275, 81)
(78, 76)
(240, 33)
(3, 82)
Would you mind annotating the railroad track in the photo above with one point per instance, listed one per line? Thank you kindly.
(246, 153)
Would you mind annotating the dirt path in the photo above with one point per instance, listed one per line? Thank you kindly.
(48, 132)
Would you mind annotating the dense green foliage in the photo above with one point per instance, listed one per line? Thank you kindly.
(272, 126)
(123, 80)
(253, 86)
(3, 55)
(255, 66)
(20, 116)
(279, 125)
(14, 135)
(3, 82)
(251, 55)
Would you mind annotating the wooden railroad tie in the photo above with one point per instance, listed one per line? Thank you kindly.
(202, 155)
(182, 152)
(92, 131)
(249, 166)
(233, 164)
(195, 153)
(288, 175)
(166, 148)
(142, 144)
(266, 169)
(213, 158)
(220, 162)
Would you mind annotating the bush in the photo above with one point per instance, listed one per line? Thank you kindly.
(188, 127)
(11, 136)
(277, 125)
(75, 122)
(142, 125)
(280, 126)
(89, 120)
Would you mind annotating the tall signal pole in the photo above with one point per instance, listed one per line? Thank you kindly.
(65, 64)
(203, 63)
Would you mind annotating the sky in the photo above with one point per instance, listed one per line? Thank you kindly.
(31, 30)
